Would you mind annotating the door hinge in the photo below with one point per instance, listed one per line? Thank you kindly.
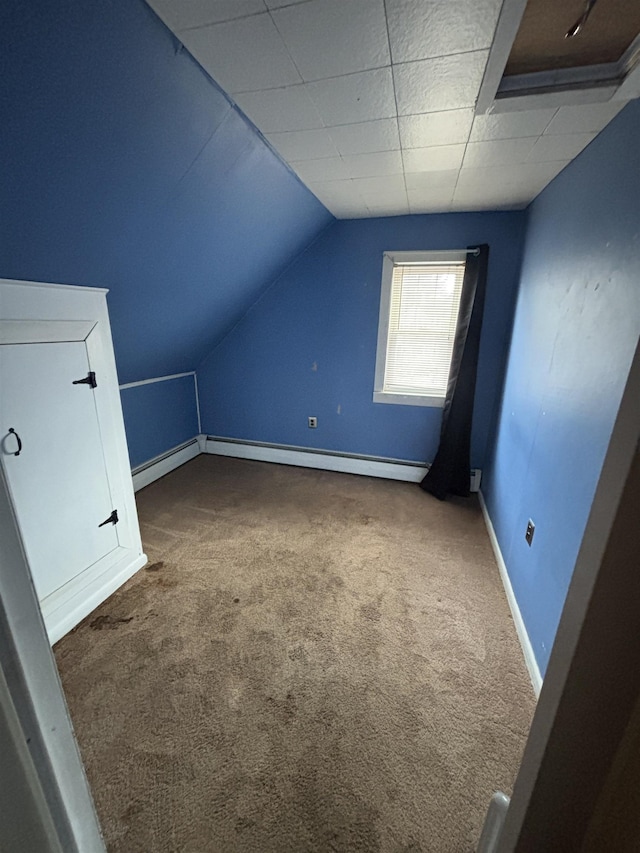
(113, 519)
(89, 379)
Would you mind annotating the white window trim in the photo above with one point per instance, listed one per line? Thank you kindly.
(388, 261)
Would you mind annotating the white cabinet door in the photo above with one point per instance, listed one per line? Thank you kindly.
(58, 482)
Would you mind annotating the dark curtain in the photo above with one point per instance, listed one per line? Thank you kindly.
(450, 472)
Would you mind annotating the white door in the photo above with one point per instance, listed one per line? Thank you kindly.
(58, 481)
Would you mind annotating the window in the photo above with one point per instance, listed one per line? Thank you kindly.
(418, 315)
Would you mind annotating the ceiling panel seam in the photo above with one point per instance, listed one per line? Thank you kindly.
(395, 99)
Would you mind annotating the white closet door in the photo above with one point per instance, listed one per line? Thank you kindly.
(58, 482)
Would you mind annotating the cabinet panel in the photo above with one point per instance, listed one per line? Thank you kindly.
(58, 482)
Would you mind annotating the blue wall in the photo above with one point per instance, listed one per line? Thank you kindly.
(124, 166)
(576, 327)
(308, 347)
(159, 416)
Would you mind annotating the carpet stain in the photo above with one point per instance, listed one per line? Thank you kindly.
(371, 612)
(298, 653)
(310, 662)
(132, 810)
(244, 823)
(286, 709)
(107, 621)
(166, 583)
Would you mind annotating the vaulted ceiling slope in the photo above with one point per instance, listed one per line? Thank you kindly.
(124, 166)
(372, 102)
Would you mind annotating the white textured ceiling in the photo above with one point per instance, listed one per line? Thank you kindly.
(371, 102)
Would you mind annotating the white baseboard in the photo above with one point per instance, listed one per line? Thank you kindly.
(65, 608)
(323, 460)
(523, 636)
(161, 465)
(303, 457)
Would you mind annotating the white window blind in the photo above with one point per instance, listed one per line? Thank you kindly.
(425, 298)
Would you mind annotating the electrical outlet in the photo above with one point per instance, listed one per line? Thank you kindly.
(531, 529)
(313, 423)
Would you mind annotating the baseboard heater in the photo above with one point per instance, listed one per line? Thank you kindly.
(162, 464)
(163, 456)
(328, 460)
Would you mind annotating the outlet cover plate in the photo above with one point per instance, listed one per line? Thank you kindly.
(531, 529)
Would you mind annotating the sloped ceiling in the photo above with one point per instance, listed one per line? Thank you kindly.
(123, 166)
(372, 102)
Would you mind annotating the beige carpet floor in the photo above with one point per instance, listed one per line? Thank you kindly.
(310, 662)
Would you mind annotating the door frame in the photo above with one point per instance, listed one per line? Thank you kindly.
(37, 312)
(593, 679)
(48, 785)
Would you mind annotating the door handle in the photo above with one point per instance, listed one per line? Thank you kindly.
(13, 432)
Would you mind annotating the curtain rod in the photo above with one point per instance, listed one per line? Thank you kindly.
(473, 251)
(400, 263)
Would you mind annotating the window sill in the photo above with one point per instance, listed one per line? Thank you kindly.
(408, 399)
